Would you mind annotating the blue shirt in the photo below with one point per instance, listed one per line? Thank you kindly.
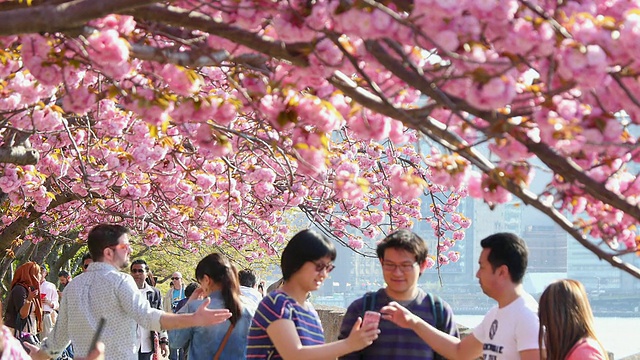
(276, 306)
(205, 341)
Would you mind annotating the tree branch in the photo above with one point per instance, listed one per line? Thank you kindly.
(19, 155)
(59, 17)
(438, 133)
(294, 53)
(16, 228)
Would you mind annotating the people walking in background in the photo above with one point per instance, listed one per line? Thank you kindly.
(187, 293)
(64, 277)
(105, 292)
(403, 257)
(509, 330)
(50, 303)
(285, 324)
(174, 295)
(24, 308)
(219, 282)
(148, 340)
(566, 323)
(86, 260)
(261, 288)
(248, 283)
(180, 353)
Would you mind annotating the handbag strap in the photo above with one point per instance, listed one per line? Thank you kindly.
(223, 343)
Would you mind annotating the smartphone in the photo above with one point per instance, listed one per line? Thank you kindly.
(97, 334)
(371, 317)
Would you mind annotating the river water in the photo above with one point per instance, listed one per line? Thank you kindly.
(621, 336)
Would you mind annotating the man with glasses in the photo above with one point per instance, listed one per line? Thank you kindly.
(510, 329)
(170, 303)
(403, 257)
(146, 339)
(105, 292)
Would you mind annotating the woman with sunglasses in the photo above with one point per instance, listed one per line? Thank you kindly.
(219, 281)
(285, 324)
(566, 323)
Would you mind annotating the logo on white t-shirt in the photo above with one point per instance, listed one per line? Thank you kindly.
(494, 329)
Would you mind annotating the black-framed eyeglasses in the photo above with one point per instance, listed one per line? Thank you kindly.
(404, 267)
(175, 278)
(321, 266)
(139, 271)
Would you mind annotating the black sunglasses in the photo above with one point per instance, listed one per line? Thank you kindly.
(175, 278)
(137, 271)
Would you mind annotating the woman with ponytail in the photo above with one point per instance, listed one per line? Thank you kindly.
(219, 281)
(24, 309)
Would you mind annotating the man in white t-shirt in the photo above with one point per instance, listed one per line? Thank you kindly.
(509, 330)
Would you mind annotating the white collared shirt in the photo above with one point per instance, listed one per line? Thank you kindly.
(49, 289)
(144, 341)
(102, 292)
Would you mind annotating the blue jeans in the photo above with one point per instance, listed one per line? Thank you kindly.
(176, 354)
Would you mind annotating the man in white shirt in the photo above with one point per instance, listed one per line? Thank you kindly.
(105, 292)
(509, 331)
(50, 302)
(146, 343)
(248, 282)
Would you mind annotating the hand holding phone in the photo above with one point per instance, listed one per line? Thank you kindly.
(371, 317)
(97, 334)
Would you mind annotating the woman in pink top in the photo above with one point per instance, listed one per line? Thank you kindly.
(566, 323)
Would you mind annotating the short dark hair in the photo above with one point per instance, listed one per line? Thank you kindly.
(190, 289)
(307, 245)
(86, 256)
(247, 278)
(63, 273)
(103, 236)
(139, 262)
(510, 250)
(404, 240)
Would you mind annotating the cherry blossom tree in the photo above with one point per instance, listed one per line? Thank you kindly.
(199, 121)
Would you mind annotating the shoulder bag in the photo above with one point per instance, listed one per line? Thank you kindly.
(223, 343)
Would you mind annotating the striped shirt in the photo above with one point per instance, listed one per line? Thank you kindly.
(394, 342)
(275, 306)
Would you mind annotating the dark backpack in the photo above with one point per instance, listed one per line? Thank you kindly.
(369, 303)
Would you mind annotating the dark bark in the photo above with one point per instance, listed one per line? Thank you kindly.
(60, 17)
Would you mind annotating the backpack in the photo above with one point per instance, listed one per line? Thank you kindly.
(369, 303)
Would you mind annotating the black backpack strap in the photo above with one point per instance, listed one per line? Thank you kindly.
(368, 303)
(439, 314)
(439, 319)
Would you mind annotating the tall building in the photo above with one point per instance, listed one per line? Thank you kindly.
(547, 248)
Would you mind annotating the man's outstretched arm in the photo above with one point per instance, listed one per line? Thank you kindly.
(202, 317)
(444, 344)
